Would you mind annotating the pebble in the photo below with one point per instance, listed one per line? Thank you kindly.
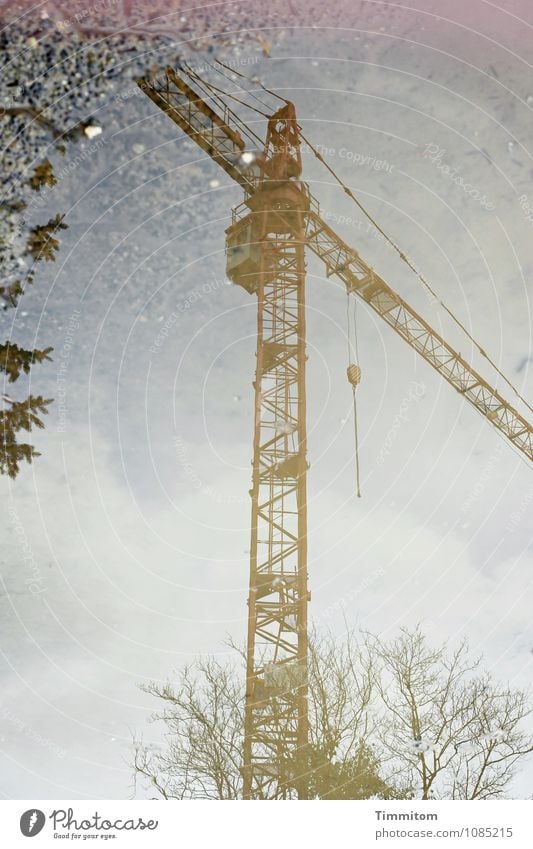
(92, 131)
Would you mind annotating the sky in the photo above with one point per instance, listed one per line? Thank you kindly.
(127, 542)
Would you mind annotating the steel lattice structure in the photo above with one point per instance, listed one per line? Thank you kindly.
(345, 263)
(276, 722)
(265, 255)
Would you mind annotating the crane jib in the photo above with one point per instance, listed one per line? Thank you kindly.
(344, 262)
(215, 135)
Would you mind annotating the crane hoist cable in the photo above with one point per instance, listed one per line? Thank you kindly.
(420, 276)
(353, 369)
(353, 372)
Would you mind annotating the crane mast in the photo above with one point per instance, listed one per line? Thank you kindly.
(265, 255)
(273, 266)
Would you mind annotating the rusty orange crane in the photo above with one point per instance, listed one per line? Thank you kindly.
(265, 249)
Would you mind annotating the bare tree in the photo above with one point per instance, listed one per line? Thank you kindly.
(387, 720)
(447, 728)
(204, 719)
(343, 759)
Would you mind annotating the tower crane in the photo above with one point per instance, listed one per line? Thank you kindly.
(265, 244)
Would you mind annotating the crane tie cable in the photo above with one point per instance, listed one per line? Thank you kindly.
(213, 88)
(246, 77)
(245, 90)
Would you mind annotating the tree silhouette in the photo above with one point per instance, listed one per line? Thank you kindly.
(357, 777)
(24, 415)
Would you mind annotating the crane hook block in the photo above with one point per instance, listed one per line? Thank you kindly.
(354, 374)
